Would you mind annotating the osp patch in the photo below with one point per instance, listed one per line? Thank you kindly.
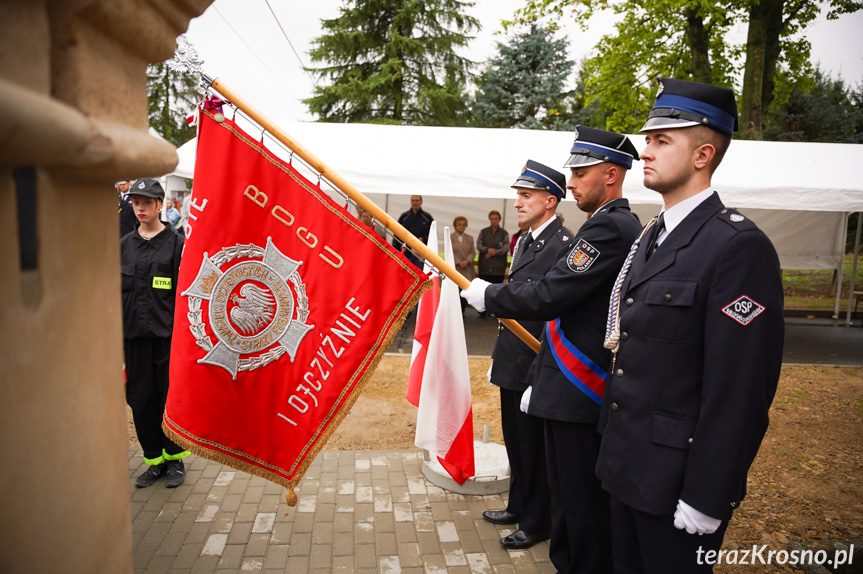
(582, 256)
(743, 310)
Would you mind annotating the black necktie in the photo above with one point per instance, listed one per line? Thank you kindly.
(525, 243)
(657, 229)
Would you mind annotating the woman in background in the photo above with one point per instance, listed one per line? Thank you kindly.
(463, 251)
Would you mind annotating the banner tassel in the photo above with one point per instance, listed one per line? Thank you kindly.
(291, 498)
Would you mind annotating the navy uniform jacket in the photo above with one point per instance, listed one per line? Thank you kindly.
(576, 290)
(701, 348)
(512, 357)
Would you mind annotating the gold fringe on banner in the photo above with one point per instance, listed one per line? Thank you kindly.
(276, 475)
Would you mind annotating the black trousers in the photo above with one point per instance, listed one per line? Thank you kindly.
(649, 544)
(528, 482)
(580, 525)
(147, 364)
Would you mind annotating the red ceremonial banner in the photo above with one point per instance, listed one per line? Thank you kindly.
(286, 304)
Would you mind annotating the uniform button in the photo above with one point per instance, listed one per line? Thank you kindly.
(528, 280)
(618, 373)
(733, 505)
(629, 301)
(690, 440)
(668, 296)
(624, 336)
(615, 407)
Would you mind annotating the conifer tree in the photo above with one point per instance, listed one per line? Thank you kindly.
(394, 61)
(526, 84)
(171, 97)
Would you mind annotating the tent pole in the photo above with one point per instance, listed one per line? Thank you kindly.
(854, 267)
(841, 268)
(342, 184)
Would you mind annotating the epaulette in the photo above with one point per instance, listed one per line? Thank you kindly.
(735, 219)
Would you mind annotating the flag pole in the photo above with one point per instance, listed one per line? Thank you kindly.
(360, 199)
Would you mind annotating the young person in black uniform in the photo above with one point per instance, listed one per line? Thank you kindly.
(699, 339)
(539, 190)
(150, 259)
(569, 372)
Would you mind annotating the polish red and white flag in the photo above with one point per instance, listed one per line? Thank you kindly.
(445, 416)
(426, 311)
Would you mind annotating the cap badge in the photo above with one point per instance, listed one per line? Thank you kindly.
(661, 88)
(142, 185)
(576, 133)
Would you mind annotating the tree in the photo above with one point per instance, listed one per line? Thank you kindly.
(394, 61)
(525, 85)
(823, 111)
(691, 43)
(171, 97)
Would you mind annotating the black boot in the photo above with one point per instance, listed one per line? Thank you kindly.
(176, 473)
(150, 475)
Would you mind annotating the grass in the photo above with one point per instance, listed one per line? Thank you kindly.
(813, 288)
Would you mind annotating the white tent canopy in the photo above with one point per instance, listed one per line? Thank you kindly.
(798, 193)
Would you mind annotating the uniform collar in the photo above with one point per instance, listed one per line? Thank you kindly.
(536, 233)
(155, 241)
(612, 203)
(674, 215)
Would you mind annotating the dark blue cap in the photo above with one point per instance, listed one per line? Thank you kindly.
(682, 104)
(593, 146)
(534, 175)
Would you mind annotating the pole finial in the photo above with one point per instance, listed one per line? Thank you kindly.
(185, 59)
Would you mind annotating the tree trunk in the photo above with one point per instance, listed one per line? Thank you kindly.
(762, 53)
(772, 49)
(699, 46)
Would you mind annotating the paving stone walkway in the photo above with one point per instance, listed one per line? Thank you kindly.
(364, 512)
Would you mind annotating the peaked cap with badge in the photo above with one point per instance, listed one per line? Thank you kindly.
(593, 146)
(148, 188)
(683, 104)
(535, 175)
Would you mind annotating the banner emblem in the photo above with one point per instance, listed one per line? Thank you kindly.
(252, 308)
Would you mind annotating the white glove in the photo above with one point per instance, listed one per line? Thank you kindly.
(488, 374)
(525, 400)
(691, 520)
(475, 294)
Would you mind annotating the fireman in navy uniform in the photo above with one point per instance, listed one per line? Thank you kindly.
(570, 369)
(699, 338)
(539, 190)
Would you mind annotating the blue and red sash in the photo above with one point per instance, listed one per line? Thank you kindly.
(575, 365)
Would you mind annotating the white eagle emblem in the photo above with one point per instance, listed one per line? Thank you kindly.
(270, 307)
(254, 311)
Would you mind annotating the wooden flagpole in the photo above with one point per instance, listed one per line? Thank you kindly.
(361, 200)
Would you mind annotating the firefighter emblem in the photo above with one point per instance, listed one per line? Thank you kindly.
(256, 308)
